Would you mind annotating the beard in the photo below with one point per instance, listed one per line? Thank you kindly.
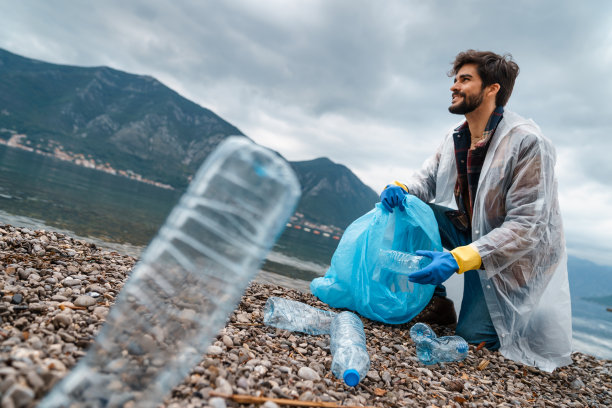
(469, 104)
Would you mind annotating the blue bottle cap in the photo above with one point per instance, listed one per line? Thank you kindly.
(351, 377)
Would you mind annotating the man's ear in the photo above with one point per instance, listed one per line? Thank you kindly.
(493, 89)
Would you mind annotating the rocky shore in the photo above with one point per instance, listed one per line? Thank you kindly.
(56, 292)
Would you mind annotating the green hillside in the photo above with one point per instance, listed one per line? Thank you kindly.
(135, 123)
(131, 122)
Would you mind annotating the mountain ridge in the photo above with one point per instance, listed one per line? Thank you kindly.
(134, 124)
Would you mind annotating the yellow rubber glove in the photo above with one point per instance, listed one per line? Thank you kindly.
(467, 258)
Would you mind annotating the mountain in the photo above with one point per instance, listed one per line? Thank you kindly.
(135, 124)
(588, 279)
(331, 193)
(131, 122)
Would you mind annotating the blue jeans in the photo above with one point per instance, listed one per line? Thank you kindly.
(474, 324)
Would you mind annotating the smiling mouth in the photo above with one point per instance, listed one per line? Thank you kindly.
(455, 96)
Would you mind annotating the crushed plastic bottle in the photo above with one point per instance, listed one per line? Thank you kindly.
(350, 361)
(188, 281)
(394, 267)
(431, 349)
(290, 315)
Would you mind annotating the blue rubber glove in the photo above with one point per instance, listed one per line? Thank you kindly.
(442, 266)
(392, 196)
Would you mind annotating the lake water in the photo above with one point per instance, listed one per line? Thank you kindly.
(122, 214)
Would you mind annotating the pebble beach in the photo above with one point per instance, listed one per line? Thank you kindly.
(56, 292)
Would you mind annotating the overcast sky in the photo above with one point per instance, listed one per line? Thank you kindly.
(361, 82)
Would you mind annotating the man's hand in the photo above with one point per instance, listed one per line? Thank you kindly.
(391, 197)
(442, 266)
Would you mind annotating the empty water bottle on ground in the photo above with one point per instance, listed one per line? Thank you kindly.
(431, 349)
(188, 281)
(394, 267)
(420, 331)
(291, 315)
(350, 361)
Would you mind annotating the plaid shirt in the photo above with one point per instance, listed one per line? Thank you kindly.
(469, 162)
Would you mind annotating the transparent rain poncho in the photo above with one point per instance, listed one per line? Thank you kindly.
(518, 231)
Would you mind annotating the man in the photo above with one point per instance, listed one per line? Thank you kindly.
(492, 180)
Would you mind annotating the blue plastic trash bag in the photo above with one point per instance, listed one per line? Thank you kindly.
(354, 280)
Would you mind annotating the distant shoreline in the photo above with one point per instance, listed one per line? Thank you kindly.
(16, 141)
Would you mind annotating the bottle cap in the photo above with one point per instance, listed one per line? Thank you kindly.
(351, 377)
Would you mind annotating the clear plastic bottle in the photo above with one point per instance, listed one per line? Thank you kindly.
(394, 267)
(431, 349)
(420, 331)
(401, 262)
(350, 361)
(291, 315)
(188, 281)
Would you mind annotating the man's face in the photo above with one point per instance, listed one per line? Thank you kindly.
(467, 91)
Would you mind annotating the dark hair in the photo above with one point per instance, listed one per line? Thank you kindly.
(492, 68)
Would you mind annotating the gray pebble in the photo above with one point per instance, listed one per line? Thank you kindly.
(243, 318)
(20, 395)
(69, 282)
(100, 312)
(24, 273)
(306, 396)
(214, 350)
(308, 373)
(223, 386)
(35, 381)
(227, 340)
(62, 320)
(59, 298)
(37, 307)
(243, 383)
(260, 369)
(577, 384)
(85, 301)
(216, 402)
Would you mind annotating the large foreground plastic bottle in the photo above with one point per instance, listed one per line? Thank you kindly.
(431, 349)
(350, 361)
(291, 315)
(190, 278)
